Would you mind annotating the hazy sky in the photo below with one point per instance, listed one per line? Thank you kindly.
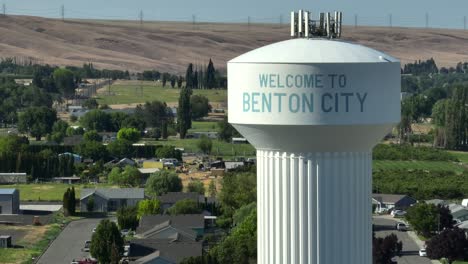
(411, 13)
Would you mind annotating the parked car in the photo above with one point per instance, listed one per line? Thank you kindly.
(86, 246)
(422, 252)
(401, 227)
(85, 261)
(398, 213)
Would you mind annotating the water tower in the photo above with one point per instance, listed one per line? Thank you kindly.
(313, 107)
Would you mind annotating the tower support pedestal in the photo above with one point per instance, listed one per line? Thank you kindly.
(314, 208)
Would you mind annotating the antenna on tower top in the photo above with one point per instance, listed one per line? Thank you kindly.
(327, 25)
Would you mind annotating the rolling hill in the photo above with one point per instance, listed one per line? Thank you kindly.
(170, 46)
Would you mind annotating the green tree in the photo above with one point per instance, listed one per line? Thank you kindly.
(212, 188)
(163, 182)
(129, 134)
(92, 135)
(384, 249)
(226, 131)
(423, 218)
(66, 202)
(72, 201)
(450, 244)
(130, 176)
(200, 106)
(107, 235)
(185, 206)
(127, 217)
(154, 114)
(96, 120)
(148, 207)
(196, 186)
(64, 80)
(120, 148)
(210, 76)
(59, 131)
(11, 144)
(37, 121)
(90, 103)
(184, 113)
(168, 152)
(205, 144)
(93, 150)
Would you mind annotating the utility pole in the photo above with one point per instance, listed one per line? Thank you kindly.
(141, 18)
(427, 20)
(62, 12)
(281, 20)
(390, 20)
(248, 23)
(4, 9)
(194, 18)
(355, 21)
(464, 23)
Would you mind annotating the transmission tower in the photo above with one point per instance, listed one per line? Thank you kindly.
(141, 18)
(355, 21)
(62, 12)
(248, 23)
(4, 9)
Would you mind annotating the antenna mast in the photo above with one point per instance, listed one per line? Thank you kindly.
(327, 25)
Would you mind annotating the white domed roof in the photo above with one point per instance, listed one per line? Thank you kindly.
(313, 51)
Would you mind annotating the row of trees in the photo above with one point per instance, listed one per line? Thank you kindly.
(202, 79)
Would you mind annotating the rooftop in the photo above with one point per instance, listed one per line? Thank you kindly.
(388, 198)
(115, 193)
(7, 191)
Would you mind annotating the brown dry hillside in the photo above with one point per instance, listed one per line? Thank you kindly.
(170, 46)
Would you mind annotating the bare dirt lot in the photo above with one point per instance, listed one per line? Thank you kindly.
(170, 46)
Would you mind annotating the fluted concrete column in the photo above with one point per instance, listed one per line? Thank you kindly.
(314, 208)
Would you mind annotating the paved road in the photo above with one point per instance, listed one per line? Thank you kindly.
(70, 242)
(386, 226)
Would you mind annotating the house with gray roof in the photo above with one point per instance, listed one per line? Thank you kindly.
(110, 199)
(390, 201)
(169, 199)
(9, 201)
(175, 228)
(461, 214)
(153, 251)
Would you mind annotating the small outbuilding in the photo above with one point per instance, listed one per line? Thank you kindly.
(5, 241)
(9, 201)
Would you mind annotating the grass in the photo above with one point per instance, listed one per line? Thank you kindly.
(462, 156)
(204, 126)
(220, 148)
(418, 165)
(129, 92)
(46, 192)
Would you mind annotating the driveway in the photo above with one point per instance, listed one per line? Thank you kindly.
(70, 242)
(385, 226)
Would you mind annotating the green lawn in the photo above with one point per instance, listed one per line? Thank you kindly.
(461, 155)
(418, 165)
(45, 192)
(460, 262)
(198, 126)
(220, 148)
(130, 92)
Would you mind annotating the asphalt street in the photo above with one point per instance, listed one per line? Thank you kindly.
(385, 226)
(70, 242)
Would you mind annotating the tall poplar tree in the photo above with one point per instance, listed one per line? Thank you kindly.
(184, 116)
(210, 76)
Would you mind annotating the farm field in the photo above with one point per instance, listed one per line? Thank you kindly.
(204, 126)
(418, 165)
(46, 191)
(132, 92)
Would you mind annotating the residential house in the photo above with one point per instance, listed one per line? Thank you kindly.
(121, 163)
(76, 157)
(461, 214)
(178, 227)
(390, 201)
(111, 199)
(169, 199)
(67, 180)
(154, 251)
(9, 201)
(437, 202)
(12, 178)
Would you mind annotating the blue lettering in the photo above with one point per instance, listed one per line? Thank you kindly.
(361, 100)
(332, 78)
(336, 102)
(246, 100)
(280, 85)
(291, 109)
(272, 81)
(307, 102)
(289, 82)
(298, 81)
(324, 109)
(255, 102)
(266, 102)
(279, 95)
(263, 80)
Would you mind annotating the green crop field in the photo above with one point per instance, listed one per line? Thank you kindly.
(203, 126)
(418, 165)
(220, 148)
(130, 92)
(46, 191)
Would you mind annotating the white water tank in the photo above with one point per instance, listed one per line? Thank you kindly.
(313, 109)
